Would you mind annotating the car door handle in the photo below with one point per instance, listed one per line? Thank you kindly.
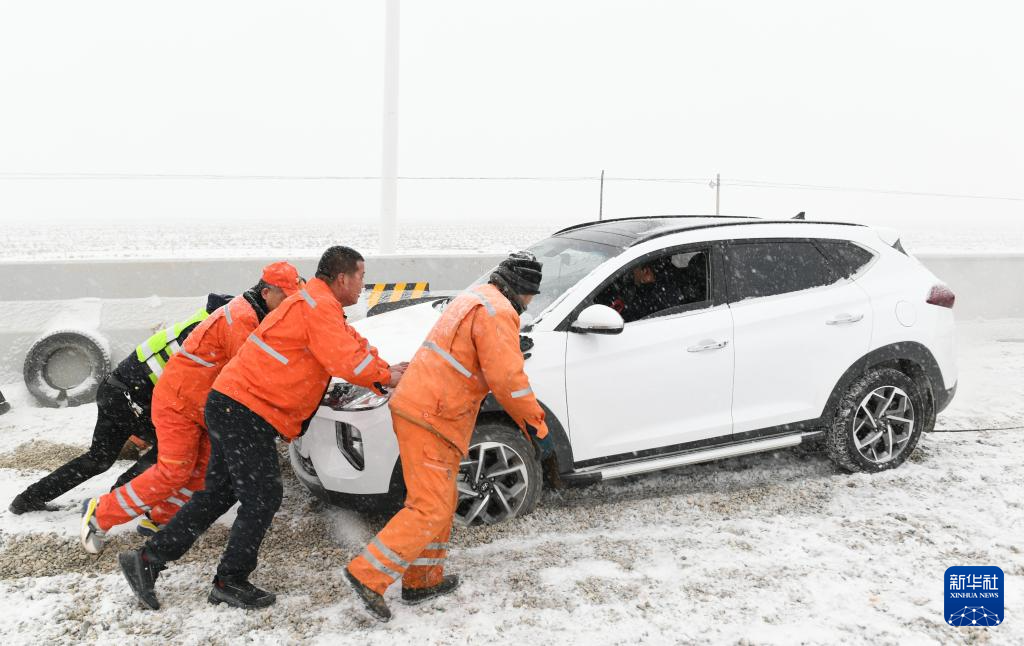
(707, 344)
(845, 319)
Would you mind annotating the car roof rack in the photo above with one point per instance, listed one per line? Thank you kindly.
(650, 217)
(669, 231)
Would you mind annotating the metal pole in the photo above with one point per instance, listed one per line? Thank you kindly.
(389, 144)
(718, 188)
(600, 206)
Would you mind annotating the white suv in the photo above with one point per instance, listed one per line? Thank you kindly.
(664, 341)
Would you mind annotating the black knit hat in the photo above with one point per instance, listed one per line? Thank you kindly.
(521, 272)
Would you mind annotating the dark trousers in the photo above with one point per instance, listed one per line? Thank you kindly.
(243, 467)
(115, 423)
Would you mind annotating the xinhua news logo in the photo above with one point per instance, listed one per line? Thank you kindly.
(974, 595)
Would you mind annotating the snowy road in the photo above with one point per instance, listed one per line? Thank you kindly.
(776, 548)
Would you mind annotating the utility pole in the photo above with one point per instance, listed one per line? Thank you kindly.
(389, 143)
(718, 190)
(600, 205)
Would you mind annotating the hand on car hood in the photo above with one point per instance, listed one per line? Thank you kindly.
(398, 334)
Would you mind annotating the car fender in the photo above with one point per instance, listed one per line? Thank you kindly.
(905, 351)
(562, 446)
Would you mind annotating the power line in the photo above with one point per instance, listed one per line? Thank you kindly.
(739, 183)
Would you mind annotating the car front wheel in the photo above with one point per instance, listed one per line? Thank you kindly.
(878, 422)
(499, 479)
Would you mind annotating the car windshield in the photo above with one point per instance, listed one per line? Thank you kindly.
(566, 261)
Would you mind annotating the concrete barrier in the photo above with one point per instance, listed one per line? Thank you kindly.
(127, 300)
(170, 278)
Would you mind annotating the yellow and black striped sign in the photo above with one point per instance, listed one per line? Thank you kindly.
(393, 292)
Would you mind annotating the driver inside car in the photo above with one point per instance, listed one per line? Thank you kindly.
(643, 290)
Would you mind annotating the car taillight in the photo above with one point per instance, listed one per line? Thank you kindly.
(941, 296)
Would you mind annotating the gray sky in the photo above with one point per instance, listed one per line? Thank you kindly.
(913, 96)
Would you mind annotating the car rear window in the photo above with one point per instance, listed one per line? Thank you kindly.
(845, 257)
(757, 269)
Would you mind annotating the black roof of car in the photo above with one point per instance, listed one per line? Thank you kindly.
(626, 232)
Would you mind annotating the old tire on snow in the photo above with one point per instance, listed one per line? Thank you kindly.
(878, 422)
(65, 368)
(499, 479)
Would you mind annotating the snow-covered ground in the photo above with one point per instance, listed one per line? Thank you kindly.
(775, 548)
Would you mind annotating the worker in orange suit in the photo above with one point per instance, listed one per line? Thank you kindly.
(178, 402)
(270, 390)
(472, 349)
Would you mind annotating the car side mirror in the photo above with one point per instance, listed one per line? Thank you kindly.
(598, 319)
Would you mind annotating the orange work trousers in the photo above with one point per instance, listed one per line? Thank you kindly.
(165, 487)
(413, 545)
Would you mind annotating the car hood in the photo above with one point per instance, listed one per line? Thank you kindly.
(399, 333)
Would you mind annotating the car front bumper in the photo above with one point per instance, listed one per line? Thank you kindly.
(320, 465)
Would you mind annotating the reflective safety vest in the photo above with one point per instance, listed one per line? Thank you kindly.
(158, 349)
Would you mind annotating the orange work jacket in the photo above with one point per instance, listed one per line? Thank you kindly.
(472, 349)
(283, 369)
(189, 375)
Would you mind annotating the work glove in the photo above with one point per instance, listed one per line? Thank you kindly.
(525, 345)
(545, 444)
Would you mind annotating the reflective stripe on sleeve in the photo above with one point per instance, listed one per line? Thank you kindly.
(124, 504)
(362, 365)
(437, 546)
(306, 297)
(375, 562)
(155, 366)
(205, 364)
(170, 335)
(177, 501)
(173, 348)
(430, 345)
(227, 313)
(186, 492)
(516, 394)
(422, 562)
(269, 350)
(388, 552)
(487, 303)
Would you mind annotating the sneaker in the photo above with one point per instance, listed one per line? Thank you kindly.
(239, 593)
(374, 602)
(148, 527)
(413, 596)
(94, 539)
(141, 576)
(23, 502)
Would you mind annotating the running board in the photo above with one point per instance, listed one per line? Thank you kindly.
(693, 457)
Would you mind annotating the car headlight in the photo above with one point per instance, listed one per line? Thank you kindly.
(349, 397)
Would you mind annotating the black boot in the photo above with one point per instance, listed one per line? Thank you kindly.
(239, 593)
(412, 596)
(24, 502)
(141, 575)
(374, 602)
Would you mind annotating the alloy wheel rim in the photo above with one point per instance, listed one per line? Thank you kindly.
(492, 484)
(884, 424)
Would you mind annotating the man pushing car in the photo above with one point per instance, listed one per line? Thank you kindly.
(472, 349)
(269, 390)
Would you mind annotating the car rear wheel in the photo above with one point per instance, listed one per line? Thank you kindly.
(878, 422)
(499, 479)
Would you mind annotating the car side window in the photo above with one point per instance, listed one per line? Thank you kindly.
(845, 257)
(758, 269)
(659, 286)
